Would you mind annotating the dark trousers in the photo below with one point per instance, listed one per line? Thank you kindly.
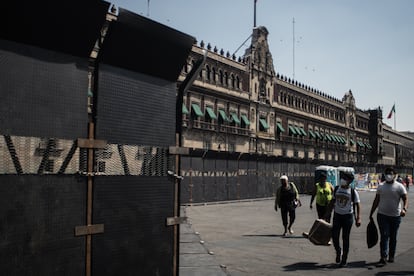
(388, 228)
(343, 222)
(285, 211)
(322, 212)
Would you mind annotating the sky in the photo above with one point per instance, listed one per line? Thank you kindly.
(366, 46)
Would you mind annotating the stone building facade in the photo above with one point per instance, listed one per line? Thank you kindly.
(242, 105)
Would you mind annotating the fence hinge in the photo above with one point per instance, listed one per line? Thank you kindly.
(89, 229)
(179, 150)
(175, 220)
(91, 143)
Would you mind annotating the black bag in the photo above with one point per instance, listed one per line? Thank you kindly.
(372, 234)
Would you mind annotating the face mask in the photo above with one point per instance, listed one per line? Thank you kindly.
(344, 182)
(389, 177)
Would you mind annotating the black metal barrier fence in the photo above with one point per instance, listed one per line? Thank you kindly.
(209, 180)
(85, 134)
(244, 176)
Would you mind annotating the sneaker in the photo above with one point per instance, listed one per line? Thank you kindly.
(285, 234)
(291, 231)
(382, 262)
(343, 263)
(391, 259)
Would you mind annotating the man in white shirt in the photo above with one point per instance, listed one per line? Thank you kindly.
(388, 200)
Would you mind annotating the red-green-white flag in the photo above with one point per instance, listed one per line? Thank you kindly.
(391, 112)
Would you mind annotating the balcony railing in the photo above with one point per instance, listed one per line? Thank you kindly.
(215, 127)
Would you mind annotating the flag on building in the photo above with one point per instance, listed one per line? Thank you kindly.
(391, 112)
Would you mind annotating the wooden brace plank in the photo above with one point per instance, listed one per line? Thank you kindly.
(175, 220)
(89, 229)
(91, 143)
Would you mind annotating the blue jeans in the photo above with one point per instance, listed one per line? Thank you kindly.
(388, 228)
(343, 222)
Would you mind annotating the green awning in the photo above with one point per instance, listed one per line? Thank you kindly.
(342, 139)
(328, 137)
(298, 131)
(361, 144)
(292, 130)
(352, 142)
(263, 123)
(197, 110)
(90, 94)
(312, 134)
(210, 113)
(245, 120)
(319, 135)
(235, 118)
(223, 115)
(368, 145)
(185, 110)
(280, 127)
(336, 138)
(303, 131)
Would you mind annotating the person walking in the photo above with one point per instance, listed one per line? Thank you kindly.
(323, 192)
(287, 199)
(388, 201)
(407, 183)
(346, 205)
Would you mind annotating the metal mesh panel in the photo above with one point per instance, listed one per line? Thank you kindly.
(38, 215)
(144, 113)
(186, 187)
(221, 180)
(261, 179)
(43, 93)
(136, 240)
(233, 180)
(118, 159)
(196, 180)
(35, 155)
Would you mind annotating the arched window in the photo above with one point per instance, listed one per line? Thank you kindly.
(221, 77)
(233, 84)
(213, 77)
(262, 88)
(208, 72)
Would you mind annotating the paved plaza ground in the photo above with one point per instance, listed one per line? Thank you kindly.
(245, 238)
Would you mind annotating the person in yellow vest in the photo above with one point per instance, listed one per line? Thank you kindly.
(323, 192)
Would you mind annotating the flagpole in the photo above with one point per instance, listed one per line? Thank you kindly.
(254, 19)
(395, 118)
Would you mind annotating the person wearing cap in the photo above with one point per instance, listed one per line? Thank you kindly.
(388, 201)
(323, 193)
(346, 204)
(287, 199)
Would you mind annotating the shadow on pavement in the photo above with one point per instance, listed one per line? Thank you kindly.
(315, 266)
(307, 266)
(274, 235)
(395, 273)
